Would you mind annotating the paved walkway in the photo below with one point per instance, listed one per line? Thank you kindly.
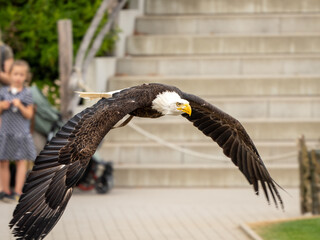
(159, 214)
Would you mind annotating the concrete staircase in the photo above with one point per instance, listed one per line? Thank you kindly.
(257, 60)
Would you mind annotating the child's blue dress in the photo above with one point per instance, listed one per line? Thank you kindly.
(16, 142)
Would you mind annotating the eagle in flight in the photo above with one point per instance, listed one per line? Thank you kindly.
(61, 163)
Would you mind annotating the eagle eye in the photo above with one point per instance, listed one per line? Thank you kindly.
(179, 104)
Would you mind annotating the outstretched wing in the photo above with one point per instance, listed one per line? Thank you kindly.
(235, 142)
(60, 165)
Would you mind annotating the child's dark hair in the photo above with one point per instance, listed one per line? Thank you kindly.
(25, 64)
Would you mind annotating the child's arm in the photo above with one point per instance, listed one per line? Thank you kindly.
(4, 76)
(26, 111)
(4, 105)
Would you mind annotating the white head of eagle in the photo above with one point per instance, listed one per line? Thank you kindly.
(170, 103)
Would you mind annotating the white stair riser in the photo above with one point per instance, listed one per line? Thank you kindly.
(155, 7)
(193, 44)
(184, 131)
(228, 86)
(272, 108)
(234, 24)
(197, 177)
(171, 66)
(158, 154)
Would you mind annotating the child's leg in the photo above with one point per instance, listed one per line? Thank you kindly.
(20, 175)
(5, 176)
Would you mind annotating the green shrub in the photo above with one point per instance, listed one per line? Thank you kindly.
(30, 28)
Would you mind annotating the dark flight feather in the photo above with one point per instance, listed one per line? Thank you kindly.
(59, 167)
(235, 142)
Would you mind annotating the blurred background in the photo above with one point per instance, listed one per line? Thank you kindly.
(256, 60)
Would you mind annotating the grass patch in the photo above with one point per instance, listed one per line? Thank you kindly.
(302, 229)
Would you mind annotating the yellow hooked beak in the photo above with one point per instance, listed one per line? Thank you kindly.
(185, 108)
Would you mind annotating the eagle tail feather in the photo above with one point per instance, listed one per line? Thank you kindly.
(94, 95)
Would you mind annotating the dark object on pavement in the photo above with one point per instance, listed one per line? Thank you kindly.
(98, 175)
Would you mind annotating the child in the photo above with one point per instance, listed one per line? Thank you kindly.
(16, 143)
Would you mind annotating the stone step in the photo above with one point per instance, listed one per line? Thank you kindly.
(233, 44)
(272, 152)
(229, 24)
(196, 175)
(179, 129)
(220, 65)
(270, 107)
(174, 7)
(229, 85)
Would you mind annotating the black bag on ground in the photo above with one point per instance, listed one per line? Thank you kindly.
(98, 175)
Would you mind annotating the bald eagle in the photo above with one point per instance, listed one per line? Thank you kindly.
(64, 159)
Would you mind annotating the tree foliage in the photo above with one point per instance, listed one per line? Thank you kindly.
(30, 28)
